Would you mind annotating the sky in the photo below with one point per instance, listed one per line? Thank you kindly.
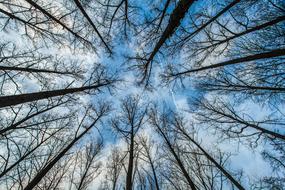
(243, 157)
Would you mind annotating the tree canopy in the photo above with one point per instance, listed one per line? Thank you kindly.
(142, 94)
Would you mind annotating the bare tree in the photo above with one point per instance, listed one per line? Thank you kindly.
(220, 112)
(114, 168)
(100, 112)
(179, 125)
(231, 52)
(86, 169)
(267, 55)
(80, 7)
(146, 154)
(175, 19)
(128, 124)
(100, 81)
(160, 123)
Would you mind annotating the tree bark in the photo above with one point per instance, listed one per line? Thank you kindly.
(23, 98)
(32, 70)
(129, 177)
(266, 55)
(175, 20)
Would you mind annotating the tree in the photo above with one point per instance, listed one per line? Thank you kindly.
(86, 169)
(234, 62)
(128, 124)
(100, 112)
(147, 156)
(179, 125)
(114, 168)
(160, 123)
(61, 62)
(219, 113)
(100, 81)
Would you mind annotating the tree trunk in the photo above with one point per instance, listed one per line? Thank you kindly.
(154, 173)
(14, 126)
(58, 22)
(175, 20)
(78, 4)
(253, 29)
(32, 70)
(267, 55)
(23, 98)
(46, 169)
(212, 19)
(229, 176)
(26, 155)
(179, 162)
(130, 164)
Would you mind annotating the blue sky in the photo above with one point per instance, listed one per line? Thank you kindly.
(243, 157)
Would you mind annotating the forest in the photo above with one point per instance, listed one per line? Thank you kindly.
(142, 94)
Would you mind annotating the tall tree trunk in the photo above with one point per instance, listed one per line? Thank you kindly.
(266, 55)
(153, 171)
(253, 29)
(85, 174)
(13, 16)
(129, 177)
(246, 123)
(23, 98)
(175, 20)
(22, 158)
(32, 70)
(239, 88)
(163, 14)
